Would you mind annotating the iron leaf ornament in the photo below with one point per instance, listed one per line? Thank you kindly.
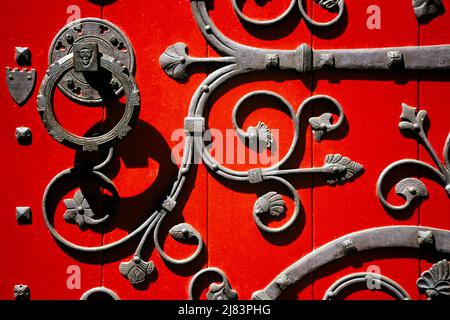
(216, 291)
(412, 189)
(136, 270)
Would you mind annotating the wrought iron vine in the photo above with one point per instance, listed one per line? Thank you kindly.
(412, 188)
(237, 59)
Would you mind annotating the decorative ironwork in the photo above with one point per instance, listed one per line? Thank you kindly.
(435, 283)
(110, 40)
(23, 135)
(425, 239)
(23, 56)
(22, 292)
(376, 281)
(23, 215)
(20, 84)
(45, 105)
(411, 188)
(426, 10)
(328, 4)
(99, 291)
(377, 238)
(221, 291)
(136, 270)
(79, 210)
(236, 59)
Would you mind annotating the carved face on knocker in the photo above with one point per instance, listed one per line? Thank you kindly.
(85, 54)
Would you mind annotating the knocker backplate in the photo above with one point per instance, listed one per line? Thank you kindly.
(111, 41)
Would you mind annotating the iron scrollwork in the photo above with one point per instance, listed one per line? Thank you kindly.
(221, 291)
(328, 4)
(376, 281)
(411, 188)
(87, 36)
(236, 60)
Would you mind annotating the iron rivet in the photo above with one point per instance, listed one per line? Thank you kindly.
(208, 28)
(70, 39)
(205, 88)
(114, 41)
(11, 77)
(136, 259)
(70, 83)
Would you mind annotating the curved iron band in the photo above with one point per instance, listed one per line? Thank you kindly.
(199, 102)
(45, 105)
(201, 272)
(103, 290)
(397, 164)
(384, 237)
(366, 277)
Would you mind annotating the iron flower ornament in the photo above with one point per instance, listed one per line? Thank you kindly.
(78, 209)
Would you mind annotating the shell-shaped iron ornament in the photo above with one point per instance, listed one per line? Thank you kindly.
(436, 281)
(260, 134)
(271, 203)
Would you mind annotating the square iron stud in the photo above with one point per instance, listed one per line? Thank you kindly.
(21, 292)
(23, 135)
(23, 56)
(85, 57)
(425, 238)
(23, 215)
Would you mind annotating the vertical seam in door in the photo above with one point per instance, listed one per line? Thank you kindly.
(207, 177)
(419, 271)
(311, 140)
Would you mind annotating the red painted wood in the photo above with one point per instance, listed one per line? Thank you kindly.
(144, 171)
(372, 104)
(30, 255)
(250, 257)
(433, 97)
(219, 209)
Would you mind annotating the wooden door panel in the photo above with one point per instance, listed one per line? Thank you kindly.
(372, 104)
(146, 171)
(221, 210)
(433, 97)
(31, 256)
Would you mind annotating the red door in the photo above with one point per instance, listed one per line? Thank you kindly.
(312, 212)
